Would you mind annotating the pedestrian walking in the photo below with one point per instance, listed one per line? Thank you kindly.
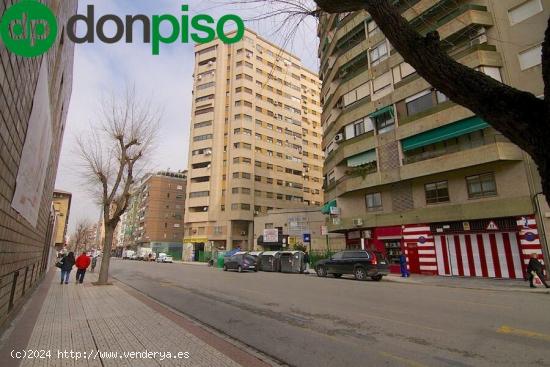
(94, 263)
(535, 268)
(66, 265)
(306, 261)
(82, 263)
(403, 265)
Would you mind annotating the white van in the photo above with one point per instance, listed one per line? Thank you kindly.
(164, 258)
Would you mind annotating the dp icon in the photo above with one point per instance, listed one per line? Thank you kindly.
(28, 28)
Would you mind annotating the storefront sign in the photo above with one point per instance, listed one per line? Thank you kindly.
(492, 226)
(421, 239)
(334, 210)
(271, 235)
(466, 226)
(306, 237)
(530, 236)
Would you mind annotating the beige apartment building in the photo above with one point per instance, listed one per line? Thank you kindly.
(255, 140)
(408, 170)
(62, 206)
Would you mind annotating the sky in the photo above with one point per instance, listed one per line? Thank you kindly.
(166, 80)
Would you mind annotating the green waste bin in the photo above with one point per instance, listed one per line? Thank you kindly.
(220, 259)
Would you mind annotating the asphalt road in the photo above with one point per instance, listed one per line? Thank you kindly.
(303, 320)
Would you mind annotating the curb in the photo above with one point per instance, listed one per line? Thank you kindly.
(479, 288)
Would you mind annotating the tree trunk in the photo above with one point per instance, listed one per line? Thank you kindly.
(106, 257)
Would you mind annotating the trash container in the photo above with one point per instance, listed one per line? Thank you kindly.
(292, 262)
(258, 256)
(269, 261)
(219, 263)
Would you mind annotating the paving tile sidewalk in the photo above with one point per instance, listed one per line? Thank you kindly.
(508, 285)
(85, 319)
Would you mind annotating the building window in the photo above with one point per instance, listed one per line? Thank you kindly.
(437, 192)
(379, 53)
(481, 185)
(524, 11)
(384, 122)
(374, 201)
(359, 128)
(419, 103)
(530, 57)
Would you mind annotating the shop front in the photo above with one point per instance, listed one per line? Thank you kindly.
(491, 248)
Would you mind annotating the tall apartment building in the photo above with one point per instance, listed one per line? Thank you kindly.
(62, 206)
(255, 140)
(155, 219)
(33, 108)
(409, 170)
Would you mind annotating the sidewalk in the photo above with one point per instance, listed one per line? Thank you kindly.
(102, 325)
(507, 285)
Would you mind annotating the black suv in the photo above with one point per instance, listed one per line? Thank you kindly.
(361, 263)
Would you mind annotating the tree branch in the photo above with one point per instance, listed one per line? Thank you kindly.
(519, 115)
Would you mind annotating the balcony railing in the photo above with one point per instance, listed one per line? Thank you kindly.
(460, 147)
(352, 172)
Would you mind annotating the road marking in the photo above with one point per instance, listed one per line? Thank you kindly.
(504, 329)
(406, 361)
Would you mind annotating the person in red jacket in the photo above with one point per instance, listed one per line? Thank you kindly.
(82, 263)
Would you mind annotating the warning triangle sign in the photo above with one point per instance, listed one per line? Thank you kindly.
(492, 226)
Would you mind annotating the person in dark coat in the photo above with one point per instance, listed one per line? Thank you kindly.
(67, 264)
(403, 265)
(535, 268)
(306, 262)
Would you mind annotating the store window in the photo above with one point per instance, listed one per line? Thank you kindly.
(437, 192)
(481, 185)
(393, 251)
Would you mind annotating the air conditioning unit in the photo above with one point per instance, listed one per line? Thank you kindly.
(358, 222)
(243, 233)
(199, 77)
(256, 212)
(210, 63)
(207, 152)
(339, 138)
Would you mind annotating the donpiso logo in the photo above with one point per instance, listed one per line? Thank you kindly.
(28, 28)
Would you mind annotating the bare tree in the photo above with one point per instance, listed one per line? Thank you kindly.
(518, 115)
(81, 235)
(113, 154)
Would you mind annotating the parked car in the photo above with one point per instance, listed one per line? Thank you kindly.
(361, 263)
(240, 262)
(127, 254)
(164, 258)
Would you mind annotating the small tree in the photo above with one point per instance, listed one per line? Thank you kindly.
(113, 154)
(81, 235)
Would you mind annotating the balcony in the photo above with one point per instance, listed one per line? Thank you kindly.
(488, 149)
(354, 177)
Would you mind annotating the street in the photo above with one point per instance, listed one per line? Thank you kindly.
(303, 320)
